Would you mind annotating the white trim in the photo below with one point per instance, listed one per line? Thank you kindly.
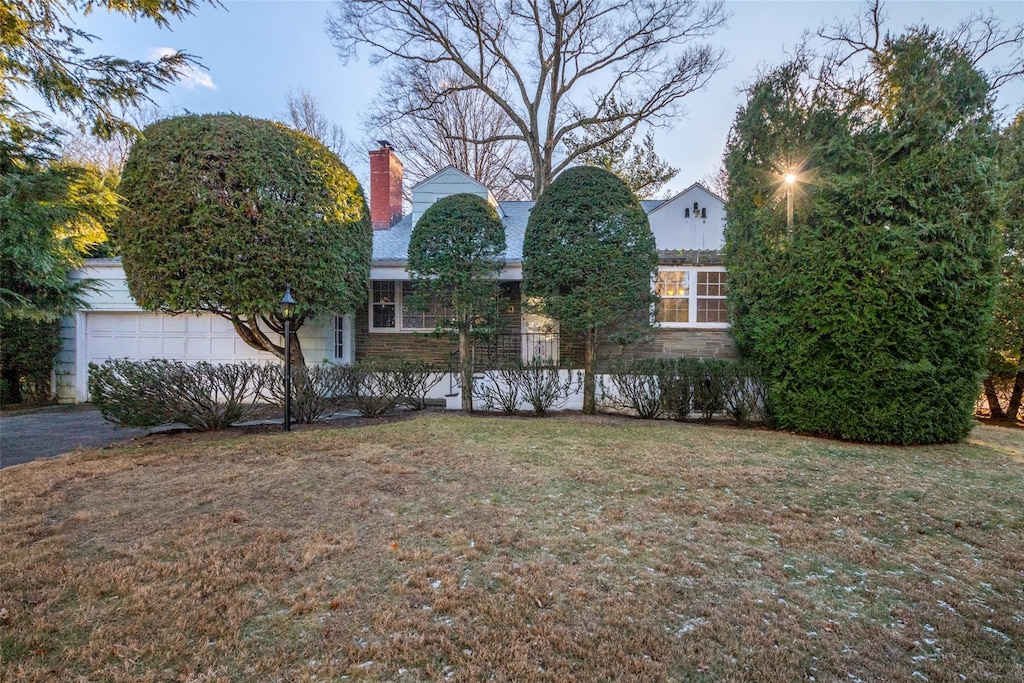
(81, 359)
(692, 299)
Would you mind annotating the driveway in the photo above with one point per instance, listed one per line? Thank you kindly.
(51, 431)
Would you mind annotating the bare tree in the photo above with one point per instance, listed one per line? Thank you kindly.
(305, 114)
(997, 51)
(108, 155)
(434, 131)
(551, 67)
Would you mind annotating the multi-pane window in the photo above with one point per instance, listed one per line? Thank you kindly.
(691, 296)
(393, 308)
(416, 319)
(673, 287)
(383, 305)
(711, 307)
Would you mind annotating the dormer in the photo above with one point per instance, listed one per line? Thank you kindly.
(444, 183)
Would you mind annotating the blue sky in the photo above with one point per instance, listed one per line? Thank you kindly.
(253, 52)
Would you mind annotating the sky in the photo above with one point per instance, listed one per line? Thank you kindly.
(254, 52)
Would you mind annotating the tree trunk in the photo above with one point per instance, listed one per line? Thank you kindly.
(466, 370)
(13, 379)
(1015, 398)
(589, 382)
(995, 410)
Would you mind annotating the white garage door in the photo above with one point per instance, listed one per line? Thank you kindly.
(141, 336)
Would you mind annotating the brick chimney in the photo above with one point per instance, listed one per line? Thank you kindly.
(385, 186)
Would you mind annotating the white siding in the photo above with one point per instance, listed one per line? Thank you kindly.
(442, 184)
(674, 230)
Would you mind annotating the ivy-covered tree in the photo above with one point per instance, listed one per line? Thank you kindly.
(455, 255)
(1006, 349)
(589, 258)
(869, 312)
(223, 211)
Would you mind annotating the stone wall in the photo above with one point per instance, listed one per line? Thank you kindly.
(675, 343)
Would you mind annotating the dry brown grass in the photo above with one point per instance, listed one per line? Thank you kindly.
(516, 549)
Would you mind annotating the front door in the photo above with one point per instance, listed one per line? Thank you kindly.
(540, 338)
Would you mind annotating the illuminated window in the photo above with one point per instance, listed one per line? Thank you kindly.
(673, 286)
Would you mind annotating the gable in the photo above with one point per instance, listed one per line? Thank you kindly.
(444, 183)
(677, 225)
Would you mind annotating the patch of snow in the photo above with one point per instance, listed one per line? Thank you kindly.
(1006, 638)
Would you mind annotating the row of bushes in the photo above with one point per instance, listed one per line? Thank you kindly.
(207, 396)
(512, 386)
(679, 387)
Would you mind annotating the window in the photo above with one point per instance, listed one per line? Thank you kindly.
(382, 306)
(704, 306)
(711, 306)
(339, 337)
(413, 319)
(391, 309)
(673, 286)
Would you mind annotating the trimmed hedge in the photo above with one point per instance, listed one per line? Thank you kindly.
(678, 387)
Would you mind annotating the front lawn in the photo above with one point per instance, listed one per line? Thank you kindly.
(567, 548)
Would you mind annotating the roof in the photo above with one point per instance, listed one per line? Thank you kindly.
(392, 245)
(698, 185)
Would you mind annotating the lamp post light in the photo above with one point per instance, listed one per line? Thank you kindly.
(791, 180)
(287, 306)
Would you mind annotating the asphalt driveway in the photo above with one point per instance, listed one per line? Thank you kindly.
(51, 431)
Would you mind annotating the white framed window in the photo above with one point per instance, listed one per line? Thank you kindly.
(691, 297)
(391, 309)
(711, 306)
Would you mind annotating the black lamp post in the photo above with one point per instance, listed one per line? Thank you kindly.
(287, 312)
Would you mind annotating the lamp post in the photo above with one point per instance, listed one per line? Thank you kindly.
(790, 180)
(287, 311)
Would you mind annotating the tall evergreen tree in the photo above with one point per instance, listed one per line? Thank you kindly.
(869, 312)
(589, 258)
(455, 255)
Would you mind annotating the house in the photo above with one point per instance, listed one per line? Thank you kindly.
(692, 316)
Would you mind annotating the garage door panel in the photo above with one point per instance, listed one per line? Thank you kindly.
(151, 324)
(174, 347)
(198, 325)
(142, 336)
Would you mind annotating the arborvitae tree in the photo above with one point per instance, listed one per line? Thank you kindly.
(589, 258)
(223, 211)
(869, 313)
(1006, 347)
(455, 255)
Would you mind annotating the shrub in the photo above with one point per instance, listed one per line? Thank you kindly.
(28, 349)
(536, 383)
(371, 388)
(149, 393)
(208, 396)
(500, 391)
(637, 386)
(413, 380)
(316, 389)
(132, 393)
(676, 387)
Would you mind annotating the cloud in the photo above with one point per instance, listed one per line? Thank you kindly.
(188, 75)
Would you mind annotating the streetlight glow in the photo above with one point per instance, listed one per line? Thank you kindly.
(790, 178)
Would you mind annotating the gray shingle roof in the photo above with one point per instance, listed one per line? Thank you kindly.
(393, 244)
